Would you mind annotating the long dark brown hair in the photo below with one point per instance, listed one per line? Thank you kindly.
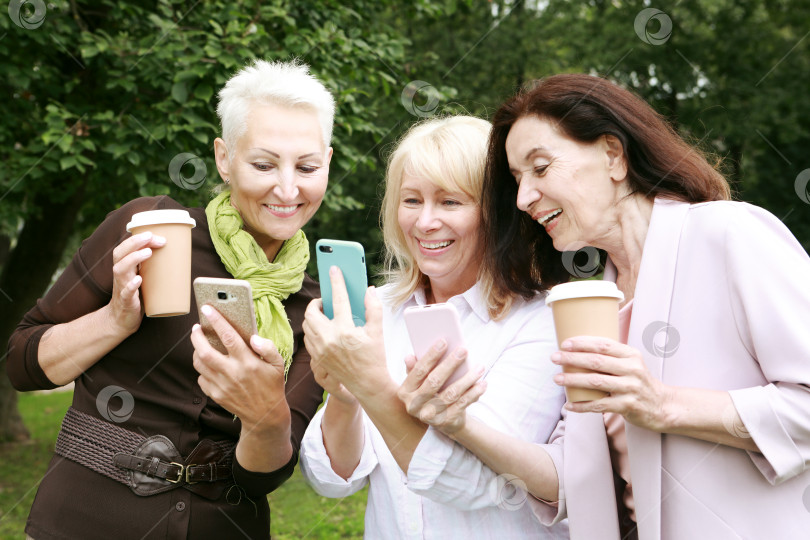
(660, 163)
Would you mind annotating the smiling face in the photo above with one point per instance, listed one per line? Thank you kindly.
(442, 232)
(570, 188)
(278, 172)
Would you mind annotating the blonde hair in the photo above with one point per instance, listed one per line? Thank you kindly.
(287, 84)
(451, 153)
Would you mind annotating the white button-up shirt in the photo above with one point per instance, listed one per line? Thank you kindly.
(448, 491)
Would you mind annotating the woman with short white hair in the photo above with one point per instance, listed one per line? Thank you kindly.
(224, 428)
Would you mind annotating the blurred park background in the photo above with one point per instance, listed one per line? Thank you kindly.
(105, 101)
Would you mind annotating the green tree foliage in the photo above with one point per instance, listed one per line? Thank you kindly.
(101, 97)
(730, 75)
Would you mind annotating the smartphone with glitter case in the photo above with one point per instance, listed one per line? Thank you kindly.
(233, 299)
(351, 259)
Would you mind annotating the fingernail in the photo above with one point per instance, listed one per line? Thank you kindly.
(556, 357)
(567, 345)
(460, 353)
(441, 345)
(479, 371)
(145, 235)
(207, 311)
(333, 270)
(558, 379)
(159, 240)
(255, 341)
(195, 327)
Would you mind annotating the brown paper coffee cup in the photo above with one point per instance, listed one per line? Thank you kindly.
(585, 308)
(166, 287)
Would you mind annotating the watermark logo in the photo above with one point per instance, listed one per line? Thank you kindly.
(508, 492)
(734, 424)
(644, 21)
(661, 339)
(419, 91)
(179, 162)
(28, 14)
(353, 340)
(123, 413)
(801, 185)
(582, 263)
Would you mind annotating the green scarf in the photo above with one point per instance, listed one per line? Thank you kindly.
(272, 282)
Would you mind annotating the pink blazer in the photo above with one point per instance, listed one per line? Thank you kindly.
(722, 302)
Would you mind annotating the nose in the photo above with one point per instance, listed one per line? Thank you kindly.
(287, 188)
(527, 195)
(428, 218)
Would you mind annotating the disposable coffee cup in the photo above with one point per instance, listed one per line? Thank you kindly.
(585, 308)
(166, 287)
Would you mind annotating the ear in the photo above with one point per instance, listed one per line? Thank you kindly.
(328, 156)
(223, 159)
(616, 160)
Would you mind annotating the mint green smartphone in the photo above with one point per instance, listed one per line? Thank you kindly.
(351, 259)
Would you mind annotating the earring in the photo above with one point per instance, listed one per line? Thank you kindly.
(227, 181)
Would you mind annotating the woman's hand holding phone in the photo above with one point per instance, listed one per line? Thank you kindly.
(445, 410)
(248, 381)
(333, 386)
(353, 356)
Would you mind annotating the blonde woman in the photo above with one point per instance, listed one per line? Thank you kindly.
(423, 484)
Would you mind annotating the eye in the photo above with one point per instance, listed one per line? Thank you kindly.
(540, 170)
(410, 200)
(451, 202)
(259, 166)
(308, 169)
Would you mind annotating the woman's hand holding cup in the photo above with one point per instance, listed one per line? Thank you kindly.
(610, 366)
(125, 304)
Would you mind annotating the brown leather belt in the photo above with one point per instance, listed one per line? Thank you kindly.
(148, 465)
(173, 472)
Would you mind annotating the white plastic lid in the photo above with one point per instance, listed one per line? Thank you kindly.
(584, 289)
(159, 217)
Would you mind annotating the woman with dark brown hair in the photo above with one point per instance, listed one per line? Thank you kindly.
(703, 432)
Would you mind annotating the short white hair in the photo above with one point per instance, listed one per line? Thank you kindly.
(287, 84)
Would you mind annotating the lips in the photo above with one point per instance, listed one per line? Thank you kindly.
(282, 210)
(435, 245)
(544, 218)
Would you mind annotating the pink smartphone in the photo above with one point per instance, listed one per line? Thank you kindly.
(429, 323)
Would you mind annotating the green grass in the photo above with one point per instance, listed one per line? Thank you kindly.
(296, 510)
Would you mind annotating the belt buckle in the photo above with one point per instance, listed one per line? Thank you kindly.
(179, 473)
(188, 470)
